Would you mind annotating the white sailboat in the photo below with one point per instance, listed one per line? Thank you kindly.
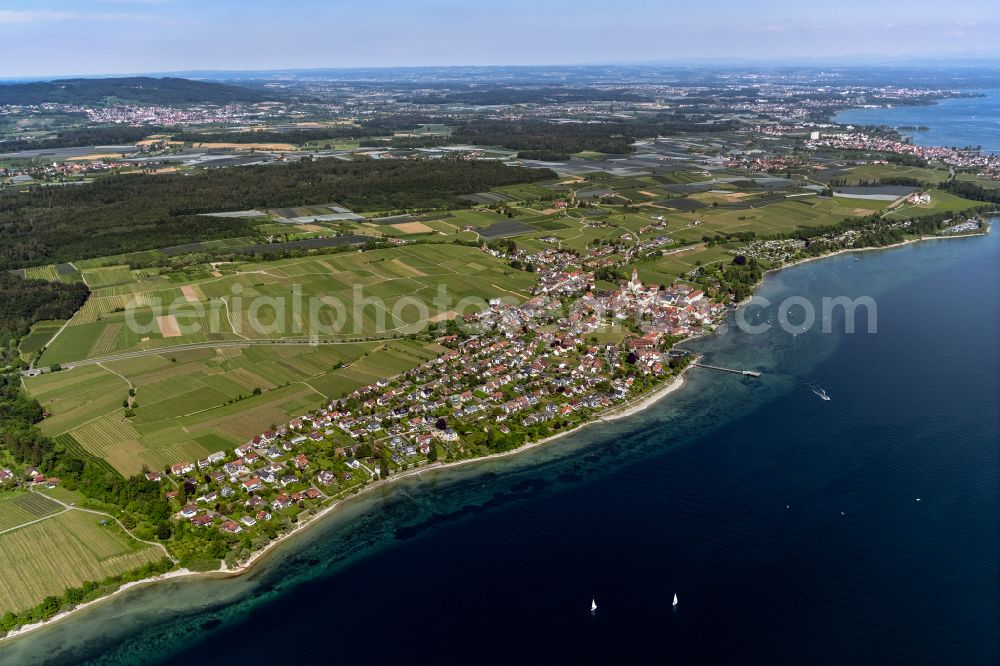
(593, 605)
(675, 599)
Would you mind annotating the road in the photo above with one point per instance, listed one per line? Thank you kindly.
(97, 360)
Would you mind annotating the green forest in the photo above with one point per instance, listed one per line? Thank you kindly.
(137, 212)
(23, 302)
(138, 89)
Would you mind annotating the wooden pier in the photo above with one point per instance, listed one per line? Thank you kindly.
(745, 373)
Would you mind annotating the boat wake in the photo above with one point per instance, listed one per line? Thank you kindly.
(819, 391)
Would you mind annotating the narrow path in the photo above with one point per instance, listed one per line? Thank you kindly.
(67, 507)
(511, 291)
(126, 379)
(37, 520)
(62, 328)
(230, 319)
(68, 365)
(314, 389)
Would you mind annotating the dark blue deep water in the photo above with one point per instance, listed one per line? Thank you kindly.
(788, 526)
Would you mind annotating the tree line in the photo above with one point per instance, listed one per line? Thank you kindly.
(23, 302)
(972, 191)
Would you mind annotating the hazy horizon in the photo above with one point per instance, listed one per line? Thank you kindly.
(163, 36)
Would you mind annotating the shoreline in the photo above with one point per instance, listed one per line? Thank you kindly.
(634, 406)
(984, 231)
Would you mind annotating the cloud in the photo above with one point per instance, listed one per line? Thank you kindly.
(771, 28)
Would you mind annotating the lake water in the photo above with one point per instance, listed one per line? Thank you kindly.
(959, 122)
(788, 526)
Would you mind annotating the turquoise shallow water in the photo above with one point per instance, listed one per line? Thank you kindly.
(787, 525)
(960, 122)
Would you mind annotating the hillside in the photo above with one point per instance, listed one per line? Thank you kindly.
(135, 89)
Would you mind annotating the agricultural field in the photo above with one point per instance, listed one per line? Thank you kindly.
(665, 270)
(18, 508)
(76, 396)
(866, 172)
(190, 402)
(941, 202)
(195, 402)
(195, 345)
(384, 293)
(52, 273)
(526, 192)
(41, 333)
(41, 273)
(681, 177)
(106, 277)
(580, 228)
(66, 550)
(982, 182)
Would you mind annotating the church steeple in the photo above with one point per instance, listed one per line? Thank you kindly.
(634, 284)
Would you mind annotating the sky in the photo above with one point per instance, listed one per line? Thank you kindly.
(68, 37)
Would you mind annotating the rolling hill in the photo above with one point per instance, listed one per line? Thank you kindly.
(134, 89)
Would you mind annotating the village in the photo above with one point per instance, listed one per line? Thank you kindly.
(511, 377)
(513, 374)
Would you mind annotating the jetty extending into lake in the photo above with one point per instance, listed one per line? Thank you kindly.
(745, 373)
